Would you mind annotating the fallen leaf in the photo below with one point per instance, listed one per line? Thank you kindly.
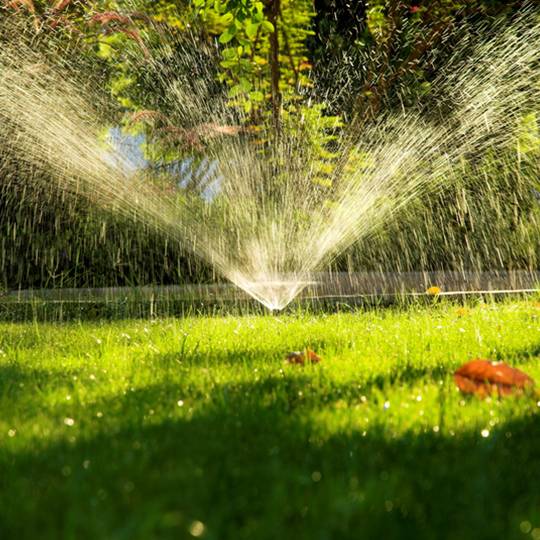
(485, 378)
(301, 357)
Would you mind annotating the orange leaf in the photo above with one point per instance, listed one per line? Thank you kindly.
(484, 378)
(301, 357)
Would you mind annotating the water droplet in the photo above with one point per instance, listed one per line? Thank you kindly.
(12, 433)
(196, 528)
(180, 403)
(436, 429)
(316, 476)
(485, 433)
(386, 405)
(69, 421)
(525, 527)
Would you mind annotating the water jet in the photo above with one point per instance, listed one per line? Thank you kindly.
(274, 219)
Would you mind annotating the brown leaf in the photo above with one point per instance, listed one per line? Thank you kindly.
(485, 378)
(301, 357)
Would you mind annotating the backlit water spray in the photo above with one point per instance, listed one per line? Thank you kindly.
(265, 220)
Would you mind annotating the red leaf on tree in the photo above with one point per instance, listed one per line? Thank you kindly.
(212, 130)
(28, 4)
(301, 357)
(485, 378)
(108, 17)
(135, 36)
(61, 5)
(146, 115)
(121, 22)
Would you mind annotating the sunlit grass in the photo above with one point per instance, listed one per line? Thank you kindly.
(197, 427)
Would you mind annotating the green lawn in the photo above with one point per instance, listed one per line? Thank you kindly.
(191, 427)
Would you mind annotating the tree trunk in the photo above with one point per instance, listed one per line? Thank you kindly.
(273, 15)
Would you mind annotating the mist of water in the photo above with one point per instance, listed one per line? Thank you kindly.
(264, 220)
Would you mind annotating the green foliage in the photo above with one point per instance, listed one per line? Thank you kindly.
(528, 136)
(267, 70)
(394, 48)
(244, 28)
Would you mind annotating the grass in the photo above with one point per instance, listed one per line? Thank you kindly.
(195, 427)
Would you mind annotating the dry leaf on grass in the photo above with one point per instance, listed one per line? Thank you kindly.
(301, 357)
(485, 378)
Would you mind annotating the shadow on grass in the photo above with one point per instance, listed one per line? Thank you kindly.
(518, 355)
(21, 383)
(26, 387)
(249, 465)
